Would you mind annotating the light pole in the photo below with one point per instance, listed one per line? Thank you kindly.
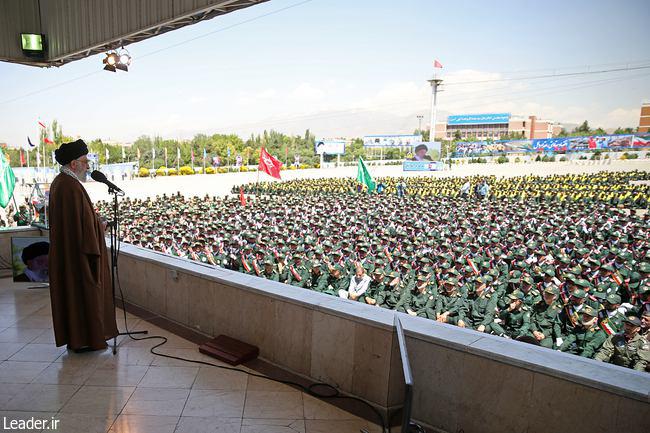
(435, 82)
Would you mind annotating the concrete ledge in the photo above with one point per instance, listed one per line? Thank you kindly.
(463, 379)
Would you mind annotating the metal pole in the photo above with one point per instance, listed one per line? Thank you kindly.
(435, 82)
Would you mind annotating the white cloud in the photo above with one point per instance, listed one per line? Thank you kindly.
(622, 117)
(306, 92)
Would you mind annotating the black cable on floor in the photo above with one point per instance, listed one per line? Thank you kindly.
(306, 389)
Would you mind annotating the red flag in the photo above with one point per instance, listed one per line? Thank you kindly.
(242, 198)
(437, 64)
(472, 265)
(42, 125)
(592, 143)
(22, 158)
(48, 141)
(269, 164)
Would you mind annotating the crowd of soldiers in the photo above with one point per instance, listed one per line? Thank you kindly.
(570, 275)
(614, 188)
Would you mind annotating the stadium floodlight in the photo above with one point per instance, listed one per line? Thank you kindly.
(125, 57)
(124, 60)
(110, 61)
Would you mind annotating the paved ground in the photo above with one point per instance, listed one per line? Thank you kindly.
(136, 391)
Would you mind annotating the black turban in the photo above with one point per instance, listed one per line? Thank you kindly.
(34, 250)
(420, 147)
(69, 151)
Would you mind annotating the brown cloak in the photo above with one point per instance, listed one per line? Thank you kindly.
(80, 278)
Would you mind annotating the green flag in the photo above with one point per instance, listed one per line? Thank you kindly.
(364, 177)
(7, 181)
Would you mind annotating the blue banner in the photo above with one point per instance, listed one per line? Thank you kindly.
(422, 166)
(551, 144)
(478, 119)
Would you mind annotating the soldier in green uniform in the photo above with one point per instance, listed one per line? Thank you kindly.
(544, 322)
(269, 271)
(482, 307)
(531, 294)
(393, 293)
(628, 348)
(336, 280)
(610, 318)
(586, 338)
(318, 280)
(298, 274)
(376, 286)
(569, 316)
(451, 306)
(514, 320)
(423, 300)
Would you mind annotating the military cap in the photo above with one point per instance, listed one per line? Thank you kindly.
(268, 262)
(552, 290)
(613, 298)
(579, 294)
(583, 283)
(517, 294)
(452, 281)
(589, 311)
(528, 280)
(644, 267)
(632, 320)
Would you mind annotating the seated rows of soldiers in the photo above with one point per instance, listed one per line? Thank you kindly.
(613, 188)
(405, 254)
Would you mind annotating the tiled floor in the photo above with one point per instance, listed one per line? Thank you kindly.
(136, 391)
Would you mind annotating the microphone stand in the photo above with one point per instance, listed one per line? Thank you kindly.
(114, 233)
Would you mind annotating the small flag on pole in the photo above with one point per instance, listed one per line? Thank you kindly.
(437, 64)
(42, 125)
(269, 164)
(48, 141)
(242, 197)
(22, 157)
(363, 176)
(30, 143)
(7, 181)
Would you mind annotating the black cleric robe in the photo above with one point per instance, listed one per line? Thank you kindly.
(80, 280)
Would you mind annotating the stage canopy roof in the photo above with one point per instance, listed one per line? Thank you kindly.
(69, 30)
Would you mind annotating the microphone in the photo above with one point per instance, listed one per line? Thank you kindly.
(98, 176)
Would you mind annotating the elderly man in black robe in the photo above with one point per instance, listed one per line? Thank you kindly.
(80, 281)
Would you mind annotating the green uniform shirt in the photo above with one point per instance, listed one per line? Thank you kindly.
(584, 342)
(631, 354)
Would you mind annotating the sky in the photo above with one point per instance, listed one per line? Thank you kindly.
(346, 69)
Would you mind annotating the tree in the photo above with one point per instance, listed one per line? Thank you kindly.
(457, 135)
(620, 130)
(583, 129)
